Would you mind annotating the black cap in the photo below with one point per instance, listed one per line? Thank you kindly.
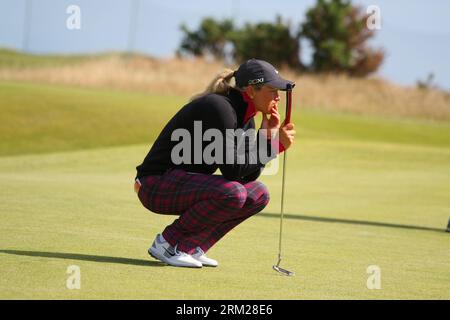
(260, 72)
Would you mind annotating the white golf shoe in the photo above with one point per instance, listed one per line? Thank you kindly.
(200, 256)
(164, 252)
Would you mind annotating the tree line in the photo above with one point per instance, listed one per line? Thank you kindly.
(336, 30)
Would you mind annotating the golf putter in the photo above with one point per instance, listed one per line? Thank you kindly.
(287, 120)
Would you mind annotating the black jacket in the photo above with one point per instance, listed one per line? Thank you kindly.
(214, 111)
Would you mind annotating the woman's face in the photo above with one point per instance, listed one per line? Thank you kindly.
(265, 99)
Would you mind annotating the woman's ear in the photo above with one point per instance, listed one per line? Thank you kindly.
(250, 91)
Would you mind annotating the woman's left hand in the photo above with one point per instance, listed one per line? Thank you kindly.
(271, 124)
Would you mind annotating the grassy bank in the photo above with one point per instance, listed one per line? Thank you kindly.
(39, 118)
(177, 77)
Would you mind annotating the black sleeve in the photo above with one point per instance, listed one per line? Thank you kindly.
(253, 176)
(269, 151)
(244, 161)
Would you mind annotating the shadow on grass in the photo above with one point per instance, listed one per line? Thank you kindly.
(85, 257)
(346, 221)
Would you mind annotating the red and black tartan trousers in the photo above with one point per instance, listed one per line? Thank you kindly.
(208, 205)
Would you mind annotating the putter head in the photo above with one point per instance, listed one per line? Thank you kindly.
(283, 271)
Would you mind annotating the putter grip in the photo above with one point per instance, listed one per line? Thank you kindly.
(288, 105)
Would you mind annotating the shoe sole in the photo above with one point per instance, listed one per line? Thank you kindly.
(154, 255)
(208, 265)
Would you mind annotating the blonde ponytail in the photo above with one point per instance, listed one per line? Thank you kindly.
(221, 84)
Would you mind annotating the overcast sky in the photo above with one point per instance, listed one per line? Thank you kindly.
(415, 34)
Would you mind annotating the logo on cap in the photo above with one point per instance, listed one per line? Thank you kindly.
(255, 81)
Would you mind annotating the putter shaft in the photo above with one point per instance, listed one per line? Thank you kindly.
(277, 266)
(282, 206)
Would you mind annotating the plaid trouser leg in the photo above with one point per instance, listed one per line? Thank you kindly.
(204, 202)
(257, 200)
(224, 200)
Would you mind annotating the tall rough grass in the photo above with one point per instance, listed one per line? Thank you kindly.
(188, 77)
